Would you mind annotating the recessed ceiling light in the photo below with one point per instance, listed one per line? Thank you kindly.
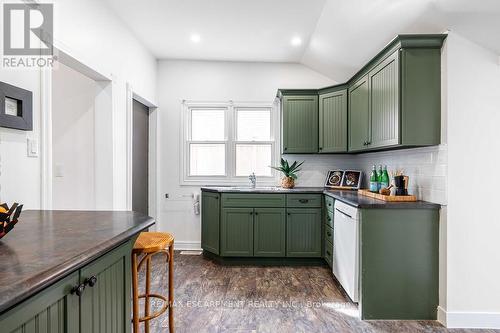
(296, 41)
(195, 38)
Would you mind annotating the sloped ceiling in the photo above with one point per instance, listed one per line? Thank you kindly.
(338, 36)
(350, 32)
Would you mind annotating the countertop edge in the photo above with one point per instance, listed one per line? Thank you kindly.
(69, 266)
(377, 204)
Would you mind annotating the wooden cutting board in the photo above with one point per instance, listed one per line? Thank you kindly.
(391, 198)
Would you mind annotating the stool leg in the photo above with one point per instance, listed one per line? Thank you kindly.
(135, 292)
(148, 287)
(171, 288)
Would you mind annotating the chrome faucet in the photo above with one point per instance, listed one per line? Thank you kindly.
(253, 179)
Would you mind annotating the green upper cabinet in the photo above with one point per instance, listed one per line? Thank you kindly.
(384, 103)
(237, 232)
(299, 124)
(403, 86)
(333, 122)
(210, 215)
(394, 101)
(269, 232)
(359, 114)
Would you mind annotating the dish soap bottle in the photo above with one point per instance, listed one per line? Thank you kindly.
(384, 180)
(374, 180)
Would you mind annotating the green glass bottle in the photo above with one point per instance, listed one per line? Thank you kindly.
(379, 177)
(384, 179)
(374, 180)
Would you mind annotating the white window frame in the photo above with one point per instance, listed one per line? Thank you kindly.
(230, 177)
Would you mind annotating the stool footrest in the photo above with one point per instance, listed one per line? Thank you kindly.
(160, 312)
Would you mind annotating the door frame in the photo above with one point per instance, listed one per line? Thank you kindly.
(63, 55)
(153, 153)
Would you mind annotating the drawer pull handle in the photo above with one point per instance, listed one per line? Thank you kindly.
(303, 200)
(328, 233)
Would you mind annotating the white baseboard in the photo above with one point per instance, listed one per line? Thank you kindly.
(186, 245)
(485, 320)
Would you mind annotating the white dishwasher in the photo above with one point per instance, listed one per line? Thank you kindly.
(346, 248)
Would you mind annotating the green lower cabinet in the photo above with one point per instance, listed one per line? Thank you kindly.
(399, 264)
(210, 217)
(303, 231)
(53, 310)
(236, 235)
(105, 307)
(269, 232)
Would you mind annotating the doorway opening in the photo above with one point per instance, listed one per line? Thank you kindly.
(80, 167)
(140, 157)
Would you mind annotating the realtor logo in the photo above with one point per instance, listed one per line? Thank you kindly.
(28, 29)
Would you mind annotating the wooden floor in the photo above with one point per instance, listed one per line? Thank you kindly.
(214, 298)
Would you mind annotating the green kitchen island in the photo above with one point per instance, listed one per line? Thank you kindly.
(68, 271)
(398, 241)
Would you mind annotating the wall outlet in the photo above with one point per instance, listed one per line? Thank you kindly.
(32, 146)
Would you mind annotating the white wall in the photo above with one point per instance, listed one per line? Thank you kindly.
(88, 31)
(473, 228)
(19, 174)
(73, 117)
(209, 81)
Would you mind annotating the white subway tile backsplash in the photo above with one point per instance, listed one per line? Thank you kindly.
(426, 167)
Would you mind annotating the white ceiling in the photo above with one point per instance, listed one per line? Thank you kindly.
(239, 30)
(338, 36)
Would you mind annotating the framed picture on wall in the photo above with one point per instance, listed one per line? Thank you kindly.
(344, 179)
(16, 107)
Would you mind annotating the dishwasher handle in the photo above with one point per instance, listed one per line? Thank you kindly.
(341, 212)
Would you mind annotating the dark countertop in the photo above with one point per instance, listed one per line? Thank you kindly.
(352, 198)
(264, 189)
(349, 197)
(45, 246)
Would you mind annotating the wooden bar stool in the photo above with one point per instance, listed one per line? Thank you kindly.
(147, 245)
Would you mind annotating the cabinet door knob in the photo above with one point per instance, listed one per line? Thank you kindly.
(328, 233)
(256, 213)
(285, 148)
(78, 290)
(320, 148)
(91, 281)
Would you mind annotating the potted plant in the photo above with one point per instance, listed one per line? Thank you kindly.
(289, 172)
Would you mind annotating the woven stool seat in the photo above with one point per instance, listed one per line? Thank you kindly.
(147, 245)
(149, 242)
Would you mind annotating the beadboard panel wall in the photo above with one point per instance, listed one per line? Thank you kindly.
(426, 167)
